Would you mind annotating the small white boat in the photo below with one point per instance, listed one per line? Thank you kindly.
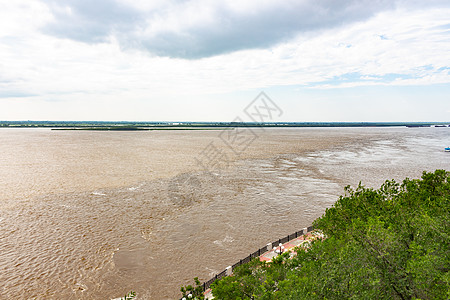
(447, 149)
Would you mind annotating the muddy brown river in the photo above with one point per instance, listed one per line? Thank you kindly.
(96, 214)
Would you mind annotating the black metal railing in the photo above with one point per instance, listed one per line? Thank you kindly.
(207, 284)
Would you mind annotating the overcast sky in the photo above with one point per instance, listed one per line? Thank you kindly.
(202, 60)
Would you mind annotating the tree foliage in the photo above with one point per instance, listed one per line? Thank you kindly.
(389, 243)
(193, 292)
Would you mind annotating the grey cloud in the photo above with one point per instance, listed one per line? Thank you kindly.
(89, 21)
(94, 21)
(267, 28)
(15, 94)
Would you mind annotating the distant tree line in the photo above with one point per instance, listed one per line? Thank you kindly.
(88, 124)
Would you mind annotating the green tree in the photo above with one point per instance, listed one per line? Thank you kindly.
(195, 292)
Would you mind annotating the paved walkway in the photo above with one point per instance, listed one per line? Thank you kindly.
(289, 246)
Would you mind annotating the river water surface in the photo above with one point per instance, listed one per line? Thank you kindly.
(94, 215)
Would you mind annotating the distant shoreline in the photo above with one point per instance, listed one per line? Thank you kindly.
(137, 126)
(126, 128)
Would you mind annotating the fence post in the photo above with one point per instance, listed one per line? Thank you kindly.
(229, 270)
(305, 230)
(269, 246)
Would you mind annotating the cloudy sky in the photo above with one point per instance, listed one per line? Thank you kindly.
(201, 60)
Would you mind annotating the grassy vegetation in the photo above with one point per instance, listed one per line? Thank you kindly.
(389, 243)
(109, 128)
(134, 128)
